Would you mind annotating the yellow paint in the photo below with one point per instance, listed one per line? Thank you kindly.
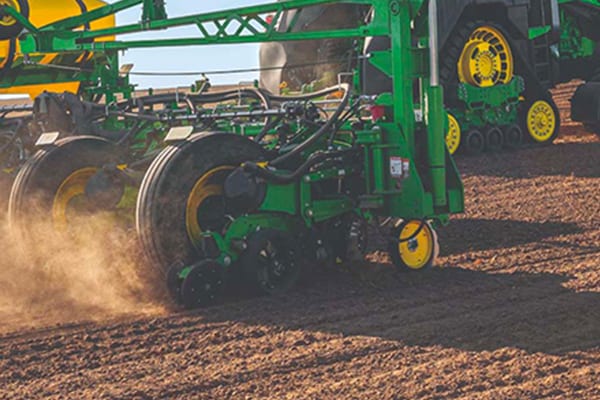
(454, 134)
(486, 59)
(44, 12)
(204, 188)
(541, 121)
(416, 253)
(70, 189)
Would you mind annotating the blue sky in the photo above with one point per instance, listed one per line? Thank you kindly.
(200, 58)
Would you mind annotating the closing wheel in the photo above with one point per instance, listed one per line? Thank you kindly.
(453, 136)
(474, 142)
(542, 121)
(486, 59)
(414, 245)
(494, 139)
(270, 262)
(513, 136)
(181, 197)
(202, 284)
(51, 186)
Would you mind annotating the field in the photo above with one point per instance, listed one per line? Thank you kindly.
(513, 311)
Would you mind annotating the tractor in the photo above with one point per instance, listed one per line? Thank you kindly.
(497, 61)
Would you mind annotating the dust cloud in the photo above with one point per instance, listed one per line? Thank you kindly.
(92, 271)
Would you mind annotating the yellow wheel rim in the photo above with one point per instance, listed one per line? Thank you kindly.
(454, 134)
(7, 20)
(70, 189)
(207, 186)
(541, 121)
(486, 59)
(417, 252)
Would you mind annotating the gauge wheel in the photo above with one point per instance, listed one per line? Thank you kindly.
(181, 197)
(50, 189)
(414, 245)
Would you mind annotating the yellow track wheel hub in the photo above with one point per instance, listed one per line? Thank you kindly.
(7, 20)
(486, 59)
(208, 186)
(454, 134)
(541, 121)
(67, 195)
(417, 252)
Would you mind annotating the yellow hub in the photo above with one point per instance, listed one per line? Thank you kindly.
(486, 59)
(7, 20)
(541, 121)
(208, 186)
(453, 136)
(67, 195)
(417, 252)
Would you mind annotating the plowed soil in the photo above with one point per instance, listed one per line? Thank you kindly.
(512, 311)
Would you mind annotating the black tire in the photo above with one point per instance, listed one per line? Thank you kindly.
(494, 139)
(474, 142)
(34, 189)
(271, 272)
(13, 31)
(513, 137)
(161, 206)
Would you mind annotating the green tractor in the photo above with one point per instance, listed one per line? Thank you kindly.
(498, 59)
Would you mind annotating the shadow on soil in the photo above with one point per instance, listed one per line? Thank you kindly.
(451, 307)
(465, 235)
(562, 159)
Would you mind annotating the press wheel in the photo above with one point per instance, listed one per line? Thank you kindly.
(414, 245)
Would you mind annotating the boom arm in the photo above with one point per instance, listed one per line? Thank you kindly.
(241, 25)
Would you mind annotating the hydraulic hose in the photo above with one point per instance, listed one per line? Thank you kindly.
(322, 131)
(280, 179)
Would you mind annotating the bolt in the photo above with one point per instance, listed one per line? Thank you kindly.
(227, 261)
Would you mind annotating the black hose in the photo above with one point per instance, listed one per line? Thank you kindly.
(280, 179)
(319, 133)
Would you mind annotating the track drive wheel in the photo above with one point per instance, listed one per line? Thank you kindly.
(51, 187)
(271, 262)
(454, 134)
(414, 245)
(486, 59)
(181, 197)
(541, 121)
